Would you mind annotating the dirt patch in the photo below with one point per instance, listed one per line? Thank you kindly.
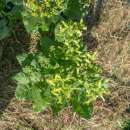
(113, 39)
(113, 35)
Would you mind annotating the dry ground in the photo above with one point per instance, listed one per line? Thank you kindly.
(110, 38)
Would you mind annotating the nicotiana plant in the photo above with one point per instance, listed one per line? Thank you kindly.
(61, 73)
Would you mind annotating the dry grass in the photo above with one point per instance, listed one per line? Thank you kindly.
(113, 36)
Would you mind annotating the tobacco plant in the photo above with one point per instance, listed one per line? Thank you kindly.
(61, 73)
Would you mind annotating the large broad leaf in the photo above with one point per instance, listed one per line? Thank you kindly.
(23, 92)
(44, 27)
(60, 37)
(74, 11)
(21, 58)
(40, 102)
(34, 23)
(26, 59)
(83, 110)
(4, 29)
(31, 23)
(56, 108)
(21, 78)
(46, 42)
(26, 92)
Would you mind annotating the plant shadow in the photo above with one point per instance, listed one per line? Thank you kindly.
(9, 66)
(93, 19)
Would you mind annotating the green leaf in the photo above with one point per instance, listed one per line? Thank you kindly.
(58, 35)
(46, 42)
(23, 92)
(44, 26)
(83, 110)
(21, 78)
(4, 29)
(26, 92)
(21, 58)
(74, 11)
(40, 103)
(31, 23)
(56, 108)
